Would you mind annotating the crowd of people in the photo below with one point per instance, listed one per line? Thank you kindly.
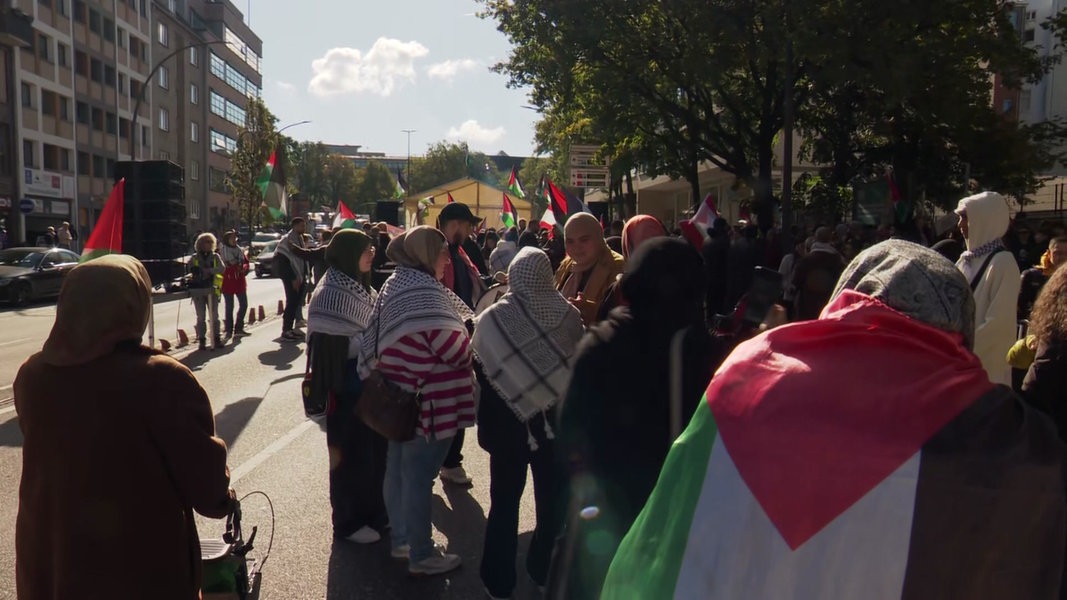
(683, 433)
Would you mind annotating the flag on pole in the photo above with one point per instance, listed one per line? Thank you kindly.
(401, 185)
(344, 219)
(450, 198)
(106, 237)
(508, 215)
(562, 203)
(548, 221)
(272, 184)
(514, 186)
(707, 213)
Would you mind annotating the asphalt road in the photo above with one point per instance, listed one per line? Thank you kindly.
(254, 388)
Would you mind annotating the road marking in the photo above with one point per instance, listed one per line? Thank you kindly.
(13, 342)
(249, 465)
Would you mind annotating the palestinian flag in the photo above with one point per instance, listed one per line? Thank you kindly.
(344, 219)
(508, 215)
(106, 237)
(450, 198)
(562, 203)
(514, 186)
(401, 185)
(883, 465)
(272, 184)
(548, 221)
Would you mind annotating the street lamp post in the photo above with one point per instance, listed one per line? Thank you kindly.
(407, 167)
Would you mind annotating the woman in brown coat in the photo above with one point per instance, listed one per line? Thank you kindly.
(119, 450)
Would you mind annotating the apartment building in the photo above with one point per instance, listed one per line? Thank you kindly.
(16, 31)
(69, 92)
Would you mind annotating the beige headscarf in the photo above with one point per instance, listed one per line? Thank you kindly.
(578, 225)
(417, 248)
(103, 302)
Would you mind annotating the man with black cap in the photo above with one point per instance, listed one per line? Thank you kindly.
(456, 222)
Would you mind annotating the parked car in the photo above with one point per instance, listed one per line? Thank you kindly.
(265, 260)
(29, 273)
(260, 241)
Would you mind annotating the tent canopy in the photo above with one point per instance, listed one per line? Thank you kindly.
(483, 199)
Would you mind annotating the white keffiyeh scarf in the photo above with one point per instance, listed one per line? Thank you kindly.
(340, 305)
(410, 301)
(526, 341)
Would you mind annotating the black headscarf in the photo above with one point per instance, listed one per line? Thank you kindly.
(665, 283)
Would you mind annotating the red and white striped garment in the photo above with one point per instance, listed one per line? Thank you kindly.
(438, 364)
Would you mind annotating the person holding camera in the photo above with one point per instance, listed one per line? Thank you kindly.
(205, 285)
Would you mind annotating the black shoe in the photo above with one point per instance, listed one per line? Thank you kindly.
(218, 343)
(203, 345)
(240, 332)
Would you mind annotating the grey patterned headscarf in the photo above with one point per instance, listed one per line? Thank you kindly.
(916, 281)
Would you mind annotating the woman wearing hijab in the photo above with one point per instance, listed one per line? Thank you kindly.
(338, 314)
(119, 445)
(590, 266)
(524, 345)
(420, 342)
(615, 421)
(637, 231)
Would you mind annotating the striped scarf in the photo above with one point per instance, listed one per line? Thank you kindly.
(340, 305)
(994, 245)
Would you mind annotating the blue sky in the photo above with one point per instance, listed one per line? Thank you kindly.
(364, 71)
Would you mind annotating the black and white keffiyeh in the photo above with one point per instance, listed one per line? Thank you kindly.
(526, 341)
(410, 301)
(340, 305)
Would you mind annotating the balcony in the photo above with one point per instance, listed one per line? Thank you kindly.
(16, 28)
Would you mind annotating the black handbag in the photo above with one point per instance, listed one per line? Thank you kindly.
(384, 406)
(316, 398)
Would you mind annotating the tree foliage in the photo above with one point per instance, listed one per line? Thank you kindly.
(448, 161)
(255, 143)
(374, 182)
(666, 84)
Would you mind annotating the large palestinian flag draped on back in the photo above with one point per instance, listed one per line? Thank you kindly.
(861, 456)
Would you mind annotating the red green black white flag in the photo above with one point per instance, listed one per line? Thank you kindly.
(106, 237)
(272, 184)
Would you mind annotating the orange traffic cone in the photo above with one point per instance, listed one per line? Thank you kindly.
(164, 345)
(281, 307)
(183, 339)
(262, 313)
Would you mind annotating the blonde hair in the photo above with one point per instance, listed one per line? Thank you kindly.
(206, 238)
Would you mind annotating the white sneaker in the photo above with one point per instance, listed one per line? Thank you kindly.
(436, 564)
(400, 552)
(365, 535)
(456, 475)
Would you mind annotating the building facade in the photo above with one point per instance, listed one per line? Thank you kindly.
(69, 93)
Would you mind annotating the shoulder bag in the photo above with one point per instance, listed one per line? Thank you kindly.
(383, 405)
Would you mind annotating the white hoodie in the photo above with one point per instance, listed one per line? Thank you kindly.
(997, 294)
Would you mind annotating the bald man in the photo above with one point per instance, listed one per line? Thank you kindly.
(590, 267)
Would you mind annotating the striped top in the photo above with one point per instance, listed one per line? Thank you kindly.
(438, 364)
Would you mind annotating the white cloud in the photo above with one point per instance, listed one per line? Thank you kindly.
(286, 87)
(447, 71)
(476, 134)
(387, 65)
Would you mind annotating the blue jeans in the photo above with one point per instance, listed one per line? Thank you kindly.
(410, 471)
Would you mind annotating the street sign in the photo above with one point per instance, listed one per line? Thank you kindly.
(584, 157)
(26, 205)
(590, 178)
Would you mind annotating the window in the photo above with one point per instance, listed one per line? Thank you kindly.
(194, 131)
(81, 63)
(27, 95)
(48, 103)
(228, 110)
(99, 166)
(221, 141)
(194, 170)
(164, 119)
(144, 8)
(81, 112)
(164, 78)
(64, 108)
(64, 160)
(98, 119)
(124, 39)
(221, 69)
(122, 84)
(124, 128)
(135, 88)
(96, 70)
(109, 168)
(163, 34)
(111, 123)
(79, 11)
(109, 30)
(109, 76)
(44, 47)
(1029, 35)
(194, 94)
(1024, 102)
(164, 155)
(172, 5)
(84, 164)
(61, 6)
(194, 58)
(62, 52)
(50, 154)
(95, 22)
(27, 153)
(47, 3)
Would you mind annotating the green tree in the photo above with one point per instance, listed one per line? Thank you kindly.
(309, 174)
(533, 169)
(376, 182)
(339, 182)
(255, 143)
